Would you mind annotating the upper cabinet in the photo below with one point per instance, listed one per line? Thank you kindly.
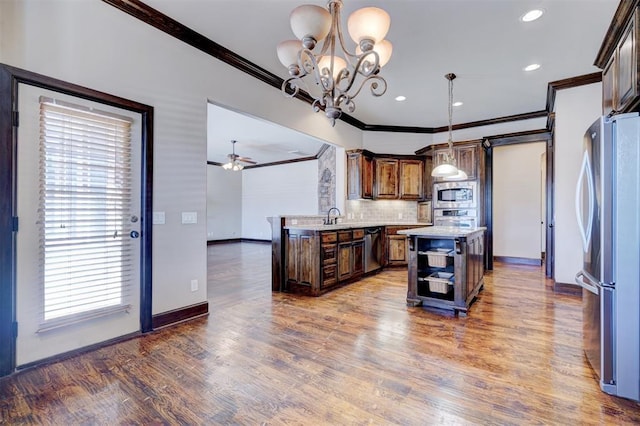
(618, 58)
(411, 179)
(386, 179)
(384, 176)
(360, 175)
(466, 158)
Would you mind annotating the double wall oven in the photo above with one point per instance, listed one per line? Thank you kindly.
(455, 204)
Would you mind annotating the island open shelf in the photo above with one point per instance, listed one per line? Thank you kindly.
(446, 267)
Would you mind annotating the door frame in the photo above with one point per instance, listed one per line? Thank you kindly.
(488, 144)
(10, 78)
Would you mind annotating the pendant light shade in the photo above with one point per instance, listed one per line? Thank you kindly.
(460, 175)
(444, 170)
(448, 169)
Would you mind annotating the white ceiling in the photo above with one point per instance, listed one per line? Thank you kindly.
(482, 41)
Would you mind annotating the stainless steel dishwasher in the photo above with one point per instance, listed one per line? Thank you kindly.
(372, 249)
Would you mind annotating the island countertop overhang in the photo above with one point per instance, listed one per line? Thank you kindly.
(442, 231)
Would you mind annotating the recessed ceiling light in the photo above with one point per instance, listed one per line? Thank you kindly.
(457, 103)
(401, 98)
(532, 15)
(532, 67)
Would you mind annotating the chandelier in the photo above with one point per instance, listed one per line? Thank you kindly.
(448, 169)
(336, 75)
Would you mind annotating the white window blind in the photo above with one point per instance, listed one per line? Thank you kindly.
(84, 215)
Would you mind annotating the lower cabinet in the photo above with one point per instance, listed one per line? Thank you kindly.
(316, 261)
(396, 250)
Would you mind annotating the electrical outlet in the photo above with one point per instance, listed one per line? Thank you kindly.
(294, 221)
(400, 215)
(194, 285)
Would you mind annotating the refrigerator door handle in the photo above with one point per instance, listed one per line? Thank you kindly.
(580, 280)
(585, 170)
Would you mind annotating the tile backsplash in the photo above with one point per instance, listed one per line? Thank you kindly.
(381, 211)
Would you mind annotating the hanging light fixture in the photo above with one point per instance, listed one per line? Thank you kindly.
(334, 75)
(448, 169)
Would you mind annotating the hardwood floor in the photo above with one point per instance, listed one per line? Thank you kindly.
(357, 355)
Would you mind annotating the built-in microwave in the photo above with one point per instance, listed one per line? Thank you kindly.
(453, 195)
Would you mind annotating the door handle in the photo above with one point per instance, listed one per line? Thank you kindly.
(584, 284)
(134, 234)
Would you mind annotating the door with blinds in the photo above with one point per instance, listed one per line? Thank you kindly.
(78, 206)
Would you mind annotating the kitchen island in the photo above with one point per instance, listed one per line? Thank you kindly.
(446, 266)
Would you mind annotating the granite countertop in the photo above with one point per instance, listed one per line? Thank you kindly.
(442, 231)
(350, 225)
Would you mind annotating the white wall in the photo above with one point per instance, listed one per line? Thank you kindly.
(516, 200)
(576, 110)
(224, 203)
(97, 46)
(409, 143)
(288, 189)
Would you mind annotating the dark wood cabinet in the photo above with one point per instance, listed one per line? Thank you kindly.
(386, 180)
(411, 176)
(609, 101)
(384, 176)
(396, 246)
(329, 259)
(360, 175)
(428, 180)
(396, 250)
(618, 59)
(302, 266)
(317, 261)
(626, 72)
(445, 272)
(466, 159)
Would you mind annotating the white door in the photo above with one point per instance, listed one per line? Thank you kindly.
(78, 260)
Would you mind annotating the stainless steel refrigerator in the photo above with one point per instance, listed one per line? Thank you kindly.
(608, 214)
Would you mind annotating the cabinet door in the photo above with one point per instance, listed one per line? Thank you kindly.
(609, 95)
(411, 179)
(357, 249)
(359, 176)
(386, 182)
(428, 180)
(397, 250)
(626, 72)
(467, 161)
(345, 264)
(307, 260)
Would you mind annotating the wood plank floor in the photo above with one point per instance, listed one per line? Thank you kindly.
(357, 355)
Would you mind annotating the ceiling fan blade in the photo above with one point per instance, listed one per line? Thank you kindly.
(246, 160)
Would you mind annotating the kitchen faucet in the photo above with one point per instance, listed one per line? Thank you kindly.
(328, 220)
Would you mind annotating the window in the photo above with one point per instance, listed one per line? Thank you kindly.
(84, 213)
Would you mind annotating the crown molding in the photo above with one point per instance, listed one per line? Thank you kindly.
(620, 18)
(170, 26)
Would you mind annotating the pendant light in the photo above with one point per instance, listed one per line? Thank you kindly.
(448, 169)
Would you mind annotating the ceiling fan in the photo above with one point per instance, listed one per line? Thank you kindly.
(235, 160)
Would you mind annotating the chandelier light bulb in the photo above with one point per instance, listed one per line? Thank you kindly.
(288, 52)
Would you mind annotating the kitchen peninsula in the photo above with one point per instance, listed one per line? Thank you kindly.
(315, 258)
(446, 266)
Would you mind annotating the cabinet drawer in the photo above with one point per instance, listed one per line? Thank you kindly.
(358, 234)
(345, 236)
(329, 253)
(329, 275)
(329, 237)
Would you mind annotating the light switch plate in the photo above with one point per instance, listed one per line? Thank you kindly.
(189, 218)
(158, 218)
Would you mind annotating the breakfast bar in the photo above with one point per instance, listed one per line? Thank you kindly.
(446, 267)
